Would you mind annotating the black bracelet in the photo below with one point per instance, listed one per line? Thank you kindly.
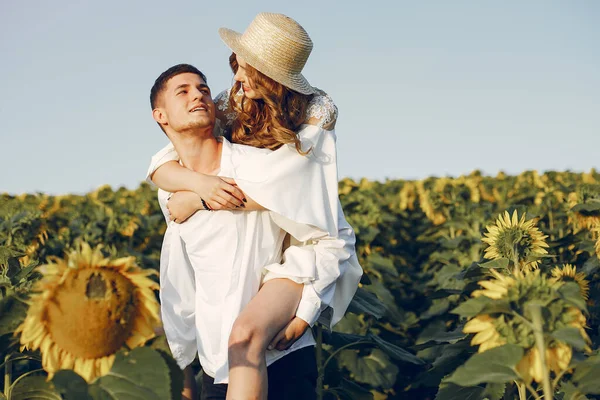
(206, 207)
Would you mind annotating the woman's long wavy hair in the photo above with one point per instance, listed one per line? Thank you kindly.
(273, 120)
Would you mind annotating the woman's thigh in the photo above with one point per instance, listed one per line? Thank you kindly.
(273, 307)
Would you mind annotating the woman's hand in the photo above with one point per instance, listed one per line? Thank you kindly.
(289, 334)
(183, 205)
(220, 193)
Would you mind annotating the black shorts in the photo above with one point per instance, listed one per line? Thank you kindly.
(293, 377)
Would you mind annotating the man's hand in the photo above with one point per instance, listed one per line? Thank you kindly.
(289, 334)
(183, 205)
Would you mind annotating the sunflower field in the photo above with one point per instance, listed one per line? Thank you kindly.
(475, 287)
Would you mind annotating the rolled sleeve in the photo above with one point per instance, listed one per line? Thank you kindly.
(163, 156)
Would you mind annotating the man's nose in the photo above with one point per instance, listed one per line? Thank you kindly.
(196, 94)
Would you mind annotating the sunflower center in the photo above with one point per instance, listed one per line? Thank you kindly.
(514, 242)
(92, 313)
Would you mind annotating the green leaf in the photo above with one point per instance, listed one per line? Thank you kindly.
(570, 336)
(376, 369)
(351, 391)
(175, 373)
(12, 313)
(438, 307)
(426, 339)
(34, 387)
(139, 374)
(496, 365)
(494, 391)
(6, 253)
(501, 263)
(396, 352)
(382, 264)
(339, 339)
(472, 306)
(586, 375)
(571, 293)
(450, 391)
(591, 207)
(70, 385)
(570, 391)
(368, 303)
(24, 273)
(442, 293)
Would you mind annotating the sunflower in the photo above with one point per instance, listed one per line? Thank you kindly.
(431, 202)
(86, 308)
(487, 337)
(495, 329)
(497, 288)
(408, 196)
(515, 239)
(584, 206)
(568, 273)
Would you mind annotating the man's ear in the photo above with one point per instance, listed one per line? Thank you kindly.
(159, 116)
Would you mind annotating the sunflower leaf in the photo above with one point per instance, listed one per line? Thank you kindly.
(34, 387)
(70, 385)
(570, 336)
(586, 376)
(451, 391)
(494, 391)
(501, 263)
(396, 352)
(496, 365)
(375, 369)
(367, 302)
(571, 293)
(472, 307)
(12, 313)
(139, 374)
(570, 391)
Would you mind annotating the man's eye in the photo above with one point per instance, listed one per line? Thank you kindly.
(183, 91)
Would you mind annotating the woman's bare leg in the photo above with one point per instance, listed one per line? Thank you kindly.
(189, 384)
(267, 313)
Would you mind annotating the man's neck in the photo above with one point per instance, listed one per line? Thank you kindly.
(198, 151)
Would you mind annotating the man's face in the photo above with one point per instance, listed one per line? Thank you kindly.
(185, 104)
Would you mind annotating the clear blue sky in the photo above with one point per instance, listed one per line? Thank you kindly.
(424, 88)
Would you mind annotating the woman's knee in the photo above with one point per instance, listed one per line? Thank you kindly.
(245, 334)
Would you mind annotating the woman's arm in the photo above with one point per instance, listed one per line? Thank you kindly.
(218, 192)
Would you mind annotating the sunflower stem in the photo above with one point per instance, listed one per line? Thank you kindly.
(522, 391)
(538, 332)
(558, 377)
(320, 366)
(7, 375)
(534, 392)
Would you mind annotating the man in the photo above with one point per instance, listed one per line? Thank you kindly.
(211, 266)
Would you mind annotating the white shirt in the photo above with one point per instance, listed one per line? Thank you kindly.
(211, 266)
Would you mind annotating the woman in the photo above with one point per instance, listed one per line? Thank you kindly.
(272, 107)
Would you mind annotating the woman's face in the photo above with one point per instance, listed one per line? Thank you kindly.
(247, 84)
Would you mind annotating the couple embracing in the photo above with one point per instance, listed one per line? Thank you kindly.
(257, 248)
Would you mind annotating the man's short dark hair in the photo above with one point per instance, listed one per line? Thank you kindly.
(161, 81)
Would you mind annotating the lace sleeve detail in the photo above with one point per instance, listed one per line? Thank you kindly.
(224, 113)
(322, 108)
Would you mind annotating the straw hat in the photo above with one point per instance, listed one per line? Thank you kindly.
(275, 45)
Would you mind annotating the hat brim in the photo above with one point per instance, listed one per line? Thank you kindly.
(295, 82)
